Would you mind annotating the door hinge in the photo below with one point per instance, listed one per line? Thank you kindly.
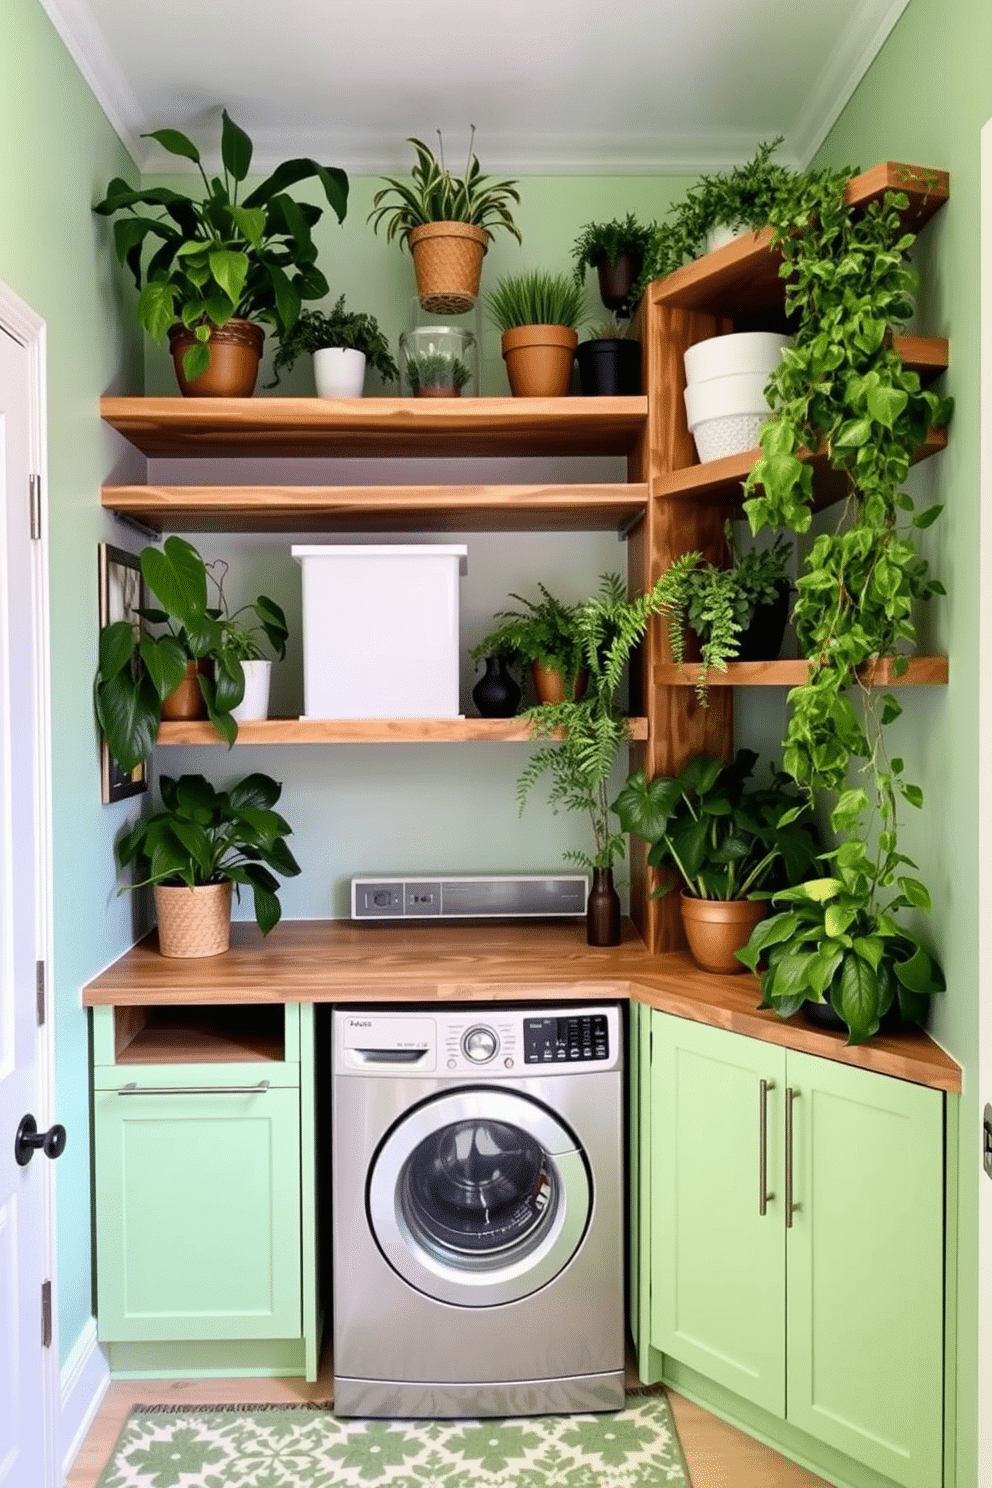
(46, 1314)
(34, 496)
(39, 988)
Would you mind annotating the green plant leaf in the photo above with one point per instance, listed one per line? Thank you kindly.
(175, 142)
(156, 308)
(857, 998)
(920, 974)
(230, 269)
(235, 148)
(916, 892)
(885, 404)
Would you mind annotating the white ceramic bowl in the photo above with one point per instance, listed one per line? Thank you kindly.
(720, 396)
(758, 352)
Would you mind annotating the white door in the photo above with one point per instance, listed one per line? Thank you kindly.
(26, 1433)
(985, 820)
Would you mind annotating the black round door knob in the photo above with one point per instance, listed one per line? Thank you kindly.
(28, 1139)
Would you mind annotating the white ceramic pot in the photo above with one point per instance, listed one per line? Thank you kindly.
(757, 352)
(339, 372)
(255, 703)
(720, 236)
(726, 413)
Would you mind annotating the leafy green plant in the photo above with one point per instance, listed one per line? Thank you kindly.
(217, 258)
(435, 194)
(607, 240)
(834, 941)
(723, 839)
(436, 369)
(584, 737)
(543, 630)
(240, 638)
(536, 297)
(351, 330)
(138, 669)
(206, 836)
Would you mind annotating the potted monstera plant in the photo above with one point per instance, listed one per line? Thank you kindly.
(221, 267)
(446, 221)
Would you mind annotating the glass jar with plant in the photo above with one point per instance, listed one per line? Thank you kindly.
(436, 374)
(353, 339)
(446, 221)
(616, 250)
(537, 312)
(201, 843)
(222, 267)
(199, 645)
(726, 841)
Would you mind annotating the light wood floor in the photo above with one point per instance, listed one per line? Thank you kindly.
(718, 1456)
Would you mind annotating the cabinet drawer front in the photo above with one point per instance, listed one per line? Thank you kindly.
(717, 1280)
(865, 1268)
(198, 1215)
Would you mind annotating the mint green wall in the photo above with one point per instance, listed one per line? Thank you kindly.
(925, 100)
(56, 153)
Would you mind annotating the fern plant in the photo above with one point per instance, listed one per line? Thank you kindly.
(543, 630)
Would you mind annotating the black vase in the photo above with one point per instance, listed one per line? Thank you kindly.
(762, 640)
(616, 280)
(609, 367)
(496, 694)
(603, 910)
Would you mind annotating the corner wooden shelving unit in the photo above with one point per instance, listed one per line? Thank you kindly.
(668, 504)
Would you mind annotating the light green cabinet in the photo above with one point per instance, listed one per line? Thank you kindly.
(826, 1313)
(200, 1165)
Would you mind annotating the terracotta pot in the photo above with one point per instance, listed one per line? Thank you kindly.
(716, 928)
(549, 684)
(539, 360)
(447, 264)
(235, 352)
(193, 922)
(187, 701)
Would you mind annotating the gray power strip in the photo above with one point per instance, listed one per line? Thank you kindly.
(469, 896)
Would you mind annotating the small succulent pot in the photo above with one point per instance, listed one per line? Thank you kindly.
(339, 372)
(235, 354)
(193, 922)
(716, 928)
(539, 360)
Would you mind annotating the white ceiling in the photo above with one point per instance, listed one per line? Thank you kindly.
(564, 86)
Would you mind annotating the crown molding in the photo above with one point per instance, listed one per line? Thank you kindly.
(852, 58)
(86, 44)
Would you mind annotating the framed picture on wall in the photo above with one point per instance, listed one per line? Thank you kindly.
(122, 593)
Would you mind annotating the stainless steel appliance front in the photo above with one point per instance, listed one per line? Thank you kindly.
(477, 1211)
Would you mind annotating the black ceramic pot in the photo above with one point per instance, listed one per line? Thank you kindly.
(496, 694)
(762, 640)
(609, 367)
(603, 910)
(616, 280)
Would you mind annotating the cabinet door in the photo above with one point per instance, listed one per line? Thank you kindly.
(198, 1212)
(717, 1262)
(865, 1267)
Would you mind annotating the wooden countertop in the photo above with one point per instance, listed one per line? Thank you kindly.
(485, 961)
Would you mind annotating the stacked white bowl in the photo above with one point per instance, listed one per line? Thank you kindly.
(726, 378)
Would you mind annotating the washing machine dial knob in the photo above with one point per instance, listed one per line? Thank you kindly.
(480, 1045)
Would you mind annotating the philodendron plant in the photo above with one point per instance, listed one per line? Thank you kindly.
(138, 669)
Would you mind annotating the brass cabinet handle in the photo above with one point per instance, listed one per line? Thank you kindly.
(132, 1089)
(791, 1208)
(763, 1195)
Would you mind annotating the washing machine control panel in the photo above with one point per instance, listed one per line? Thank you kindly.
(574, 1039)
(480, 1044)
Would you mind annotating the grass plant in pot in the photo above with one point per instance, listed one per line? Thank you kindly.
(202, 843)
(221, 267)
(616, 251)
(537, 313)
(583, 737)
(609, 363)
(199, 647)
(343, 344)
(446, 221)
(725, 842)
(543, 635)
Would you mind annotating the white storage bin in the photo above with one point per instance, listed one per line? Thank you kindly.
(380, 630)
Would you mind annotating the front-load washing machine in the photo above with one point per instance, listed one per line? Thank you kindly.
(477, 1200)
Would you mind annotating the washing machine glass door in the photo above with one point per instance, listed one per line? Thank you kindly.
(479, 1197)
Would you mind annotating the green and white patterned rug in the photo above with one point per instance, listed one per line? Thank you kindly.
(304, 1447)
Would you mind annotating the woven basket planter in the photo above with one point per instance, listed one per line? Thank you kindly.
(193, 922)
(447, 263)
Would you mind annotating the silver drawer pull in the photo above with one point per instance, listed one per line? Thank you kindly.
(133, 1089)
(763, 1195)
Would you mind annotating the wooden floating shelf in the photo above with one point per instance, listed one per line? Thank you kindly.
(521, 508)
(383, 427)
(368, 731)
(741, 280)
(923, 671)
(721, 480)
